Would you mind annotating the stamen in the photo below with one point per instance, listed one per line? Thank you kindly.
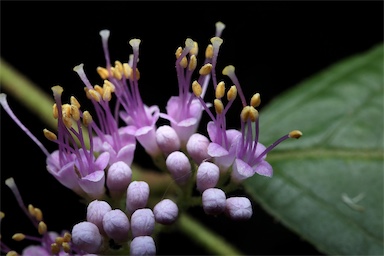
(119, 66)
(206, 69)
(295, 134)
(55, 113)
(192, 63)
(127, 70)
(108, 83)
(253, 114)
(255, 100)
(244, 115)
(196, 88)
(184, 62)
(59, 240)
(66, 112)
(55, 248)
(99, 89)
(12, 253)
(57, 90)
(230, 72)
(38, 214)
(189, 43)
(216, 42)
(107, 95)
(220, 90)
(209, 52)
(67, 237)
(75, 113)
(66, 247)
(94, 95)
(74, 101)
(42, 228)
(31, 209)
(116, 73)
(195, 49)
(218, 106)
(103, 72)
(18, 237)
(178, 52)
(135, 43)
(49, 135)
(232, 93)
(87, 118)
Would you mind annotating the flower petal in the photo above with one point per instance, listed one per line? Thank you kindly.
(241, 170)
(93, 184)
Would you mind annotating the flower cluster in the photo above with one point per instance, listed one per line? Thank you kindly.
(95, 155)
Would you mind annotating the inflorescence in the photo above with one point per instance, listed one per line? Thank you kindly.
(95, 155)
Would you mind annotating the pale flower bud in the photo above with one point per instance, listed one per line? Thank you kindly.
(137, 196)
(142, 245)
(119, 176)
(116, 225)
(179, 167)
(239, 208)
(96, 211)
(214, 201)
(142, 222)
(207, 176)
(166, 212)
(86, 236)
(197, 147)
(167, 139)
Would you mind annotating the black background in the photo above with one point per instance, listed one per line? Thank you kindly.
(273, 45)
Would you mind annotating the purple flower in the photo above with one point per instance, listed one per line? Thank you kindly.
(250, 153)
(124, 77)
(184, 111)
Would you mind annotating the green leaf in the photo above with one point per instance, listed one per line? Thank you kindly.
(328, 185)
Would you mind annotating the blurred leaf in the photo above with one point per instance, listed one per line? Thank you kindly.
(328, 185)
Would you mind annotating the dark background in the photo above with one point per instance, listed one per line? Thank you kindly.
(273, 45)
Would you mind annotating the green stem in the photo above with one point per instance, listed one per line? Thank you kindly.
(201, 235)
(28, 93)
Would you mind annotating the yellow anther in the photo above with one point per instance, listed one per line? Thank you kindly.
(67, 237)
(74, 101)
(184, 62)
(127, 70)
(209, 52)
(107, 95)
(228, 70)
(55, 248)
(49, 135)
(75, 112)
(86, 90)
(109, 84)
(59, 240)
(66, 247)
(192, 63)
(55, 113)
(219, 107)
(94, 95)
(244, 115)
(119, 66)
(196, 88)
(178, 52)
(2, 215)
(38, 214)
(216, 41)
(57, 90)
(87, 118)
(103, 72)
(206, 69)
(42, 228)
(135, 43)
(253, 114)
(18, 237)
(220, 90)
(137, 75)
(255, 100)
(116, 73)
(99, 89)
(195, 49)
(12, 253)
(31, 209)
(295, 134)
(67, 115)
(232, 93)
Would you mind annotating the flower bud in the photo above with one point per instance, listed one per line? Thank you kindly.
(137, 196)
(86, 236)
(166, 212)
(197, 147)
(119, 176)
(179, 167)
(142, 222)
(239, 208)
(142, 245)
(214, 201)
(116, 225)
(207, 176)
(96, 211)
(167, 139)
